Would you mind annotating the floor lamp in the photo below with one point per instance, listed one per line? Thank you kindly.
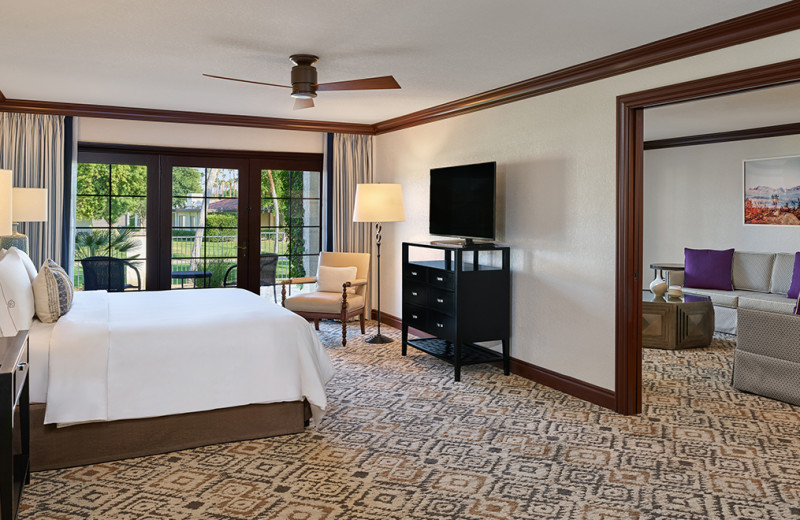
(378, 203)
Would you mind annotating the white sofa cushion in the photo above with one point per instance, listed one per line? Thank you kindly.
(16, 294)
(324, 302)
(782, 273)
(718, 297)
(752, 271)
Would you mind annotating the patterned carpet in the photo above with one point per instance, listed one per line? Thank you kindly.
(403, 441)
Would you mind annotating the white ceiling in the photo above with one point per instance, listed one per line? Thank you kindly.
(151, 53)
(754, 109)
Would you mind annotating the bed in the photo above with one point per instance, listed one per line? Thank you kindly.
(129, 374)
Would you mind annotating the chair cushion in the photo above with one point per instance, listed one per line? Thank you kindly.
(752, 271)
(330, 279)
(708, 268)
(53, 291)
(16, 295)
(325, 302)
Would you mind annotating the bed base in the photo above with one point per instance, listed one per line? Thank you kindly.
(53, 448)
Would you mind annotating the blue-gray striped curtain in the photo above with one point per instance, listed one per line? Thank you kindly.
(32, 147)
(352, 164)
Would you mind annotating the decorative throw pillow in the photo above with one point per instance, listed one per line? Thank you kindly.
(708, 268)
(16, 295)
(28, 263)
(797, 306)
(53, 292)
(794, 289)
(330, 279)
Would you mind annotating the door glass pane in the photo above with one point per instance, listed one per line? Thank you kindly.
(111, 227)
(291, 219)
(205, 227)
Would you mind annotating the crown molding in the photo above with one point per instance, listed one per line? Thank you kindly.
(761, 24)
(176, 116)
(724, 137)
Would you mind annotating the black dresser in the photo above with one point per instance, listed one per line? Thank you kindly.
(460, 295)
(15, 469)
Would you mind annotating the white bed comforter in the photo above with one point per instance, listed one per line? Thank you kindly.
(146, 354)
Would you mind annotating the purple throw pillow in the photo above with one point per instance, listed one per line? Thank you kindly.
(794, 289)
(708, 268)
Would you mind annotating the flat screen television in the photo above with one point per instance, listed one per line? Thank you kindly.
(462, 201)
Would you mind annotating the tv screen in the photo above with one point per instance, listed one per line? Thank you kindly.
(462, 201)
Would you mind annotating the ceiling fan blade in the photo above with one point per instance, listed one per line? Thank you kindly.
(301, 103)
(246, 81)
(381, 82)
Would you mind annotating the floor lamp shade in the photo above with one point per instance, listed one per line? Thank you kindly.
(378, 203)
(5, 202)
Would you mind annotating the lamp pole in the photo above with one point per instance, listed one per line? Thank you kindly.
(379, 338)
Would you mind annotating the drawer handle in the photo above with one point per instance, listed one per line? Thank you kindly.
(439, 279)
(22, 365)
(439, 300)
(413, 273)
(441, 326)
(414, 316)
(413, 293)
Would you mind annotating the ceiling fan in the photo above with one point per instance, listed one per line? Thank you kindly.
(304, 81)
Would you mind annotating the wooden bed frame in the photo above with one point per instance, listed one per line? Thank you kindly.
(89, 443)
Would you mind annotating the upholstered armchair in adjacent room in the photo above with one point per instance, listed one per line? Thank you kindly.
(341, 290)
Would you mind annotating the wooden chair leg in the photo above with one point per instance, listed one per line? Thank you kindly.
(344, 332)
(363, 325)
(316, 324)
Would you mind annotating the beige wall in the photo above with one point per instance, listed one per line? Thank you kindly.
(556, 157)
(120, 131)
(693, 198)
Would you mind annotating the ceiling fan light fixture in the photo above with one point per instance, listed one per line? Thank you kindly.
(304, 95)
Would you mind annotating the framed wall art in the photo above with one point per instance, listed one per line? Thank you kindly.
(772, 191)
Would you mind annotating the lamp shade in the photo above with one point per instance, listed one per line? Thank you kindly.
(29, 205)
(378, 203)
(5, 202)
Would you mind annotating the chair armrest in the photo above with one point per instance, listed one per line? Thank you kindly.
(290, 281)
(138, 276)
(357, 282)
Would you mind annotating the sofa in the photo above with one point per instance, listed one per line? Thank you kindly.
(767, 356)
(760, 282)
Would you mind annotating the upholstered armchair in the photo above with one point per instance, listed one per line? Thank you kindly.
(341, 290)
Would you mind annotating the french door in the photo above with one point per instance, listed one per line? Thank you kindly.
(212, 217)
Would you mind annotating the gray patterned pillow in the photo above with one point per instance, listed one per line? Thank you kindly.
(52, 292)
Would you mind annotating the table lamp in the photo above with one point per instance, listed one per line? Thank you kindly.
(27, 205)
(378, 203)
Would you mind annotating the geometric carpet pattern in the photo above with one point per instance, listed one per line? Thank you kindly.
(402, 440)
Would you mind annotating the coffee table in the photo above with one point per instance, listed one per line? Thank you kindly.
(674, 323)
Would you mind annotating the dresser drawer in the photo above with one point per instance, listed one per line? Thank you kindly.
(440, 300)
(415, 293)
(442, 326)
(441, 278)
(415, 317)
(415, 272)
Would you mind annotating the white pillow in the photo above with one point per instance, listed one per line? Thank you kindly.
(53, 291)
(330, 279)
(16, 295)
(27, 262)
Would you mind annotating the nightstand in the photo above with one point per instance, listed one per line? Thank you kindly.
(15, 469)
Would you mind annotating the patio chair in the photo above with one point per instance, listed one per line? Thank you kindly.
(268, 265)
(106, 273)
(337, 296)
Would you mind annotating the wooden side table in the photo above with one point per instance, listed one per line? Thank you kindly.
(15, 467)
(674, 323)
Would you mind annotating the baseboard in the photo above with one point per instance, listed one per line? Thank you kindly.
(569, 385)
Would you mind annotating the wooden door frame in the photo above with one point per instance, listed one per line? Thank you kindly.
(630, 151)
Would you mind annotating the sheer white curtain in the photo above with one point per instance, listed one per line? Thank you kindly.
(32, 146)
(352, 165)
